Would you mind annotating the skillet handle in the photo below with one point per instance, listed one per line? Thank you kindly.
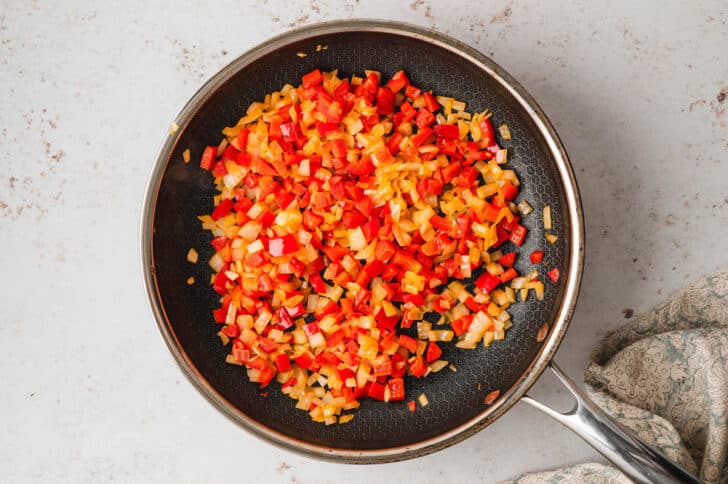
(619, 445)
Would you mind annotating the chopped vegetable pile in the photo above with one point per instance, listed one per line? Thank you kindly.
(349, 212)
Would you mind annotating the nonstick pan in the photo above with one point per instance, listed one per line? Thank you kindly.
(179, 192)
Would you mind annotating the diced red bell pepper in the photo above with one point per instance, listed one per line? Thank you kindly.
(335, 339)
(508, 275)
(433, 352)
(472, 304)
(325, 358)
(487, 137)
(376, 391)
(283, 362)
(289, 132)
(412, 92)
(450, 171)
(508, 191)
(418, 366)
(406, 261)
(266, 376)
(222, 209)
(384, 250)
(424, 119)
(382, 368)
(510, 225)
(441, 304)
(490, 212)
(371, 229)
(536, 256)
(396, 389)
(289, 383)
(507, 259)
(284, 199)
(284, 318)
(296, 311)
(394, 141)
(231, 330)
(336, 184)
(553, 274)
(408, 342)
(239, 353)
(411, 406)
(384, 321)
(231, 153)
(467, 177)
(282, 245)
(458, 327)
(421, 136)
(219, 242)
(266, 219)
(518, 235)
(265, 283)
(250, 180)
(385, 101)
(326, 128)
(447, 131)
(312, 78)
(408, 112)
(311, 220)
(487, 282)
(218, 169)
(441, 223)
(267, 345)
(256, 259)
(310, 329)
(430, 102)
(304, 360)
(317, 283)
(208, 157)
(398, 81)
(242, 138)
(502, 236)
(338, 148)
(353, 219)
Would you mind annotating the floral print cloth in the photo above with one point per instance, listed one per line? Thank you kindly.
(665, 376)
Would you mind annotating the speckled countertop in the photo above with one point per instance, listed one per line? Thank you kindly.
(638, 93)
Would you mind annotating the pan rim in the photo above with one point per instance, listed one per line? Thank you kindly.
(572, 279)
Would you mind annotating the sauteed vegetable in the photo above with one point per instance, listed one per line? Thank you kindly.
(350, 210)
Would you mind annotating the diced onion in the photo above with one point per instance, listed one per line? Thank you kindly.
(501, 156)
(504, 131)
(547, 217)
(346, 418)
(440, 335)
(423, 330)
(216, 262)
(438, 365)
(524, 207)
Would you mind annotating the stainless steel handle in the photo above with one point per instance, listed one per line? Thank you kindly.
(624, 449)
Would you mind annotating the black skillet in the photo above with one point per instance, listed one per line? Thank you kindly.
(178, 192)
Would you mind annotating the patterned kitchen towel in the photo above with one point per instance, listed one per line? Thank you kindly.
(665, 376)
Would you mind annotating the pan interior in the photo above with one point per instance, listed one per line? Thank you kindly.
(186, 191)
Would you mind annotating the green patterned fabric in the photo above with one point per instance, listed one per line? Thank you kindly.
(665, 376)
